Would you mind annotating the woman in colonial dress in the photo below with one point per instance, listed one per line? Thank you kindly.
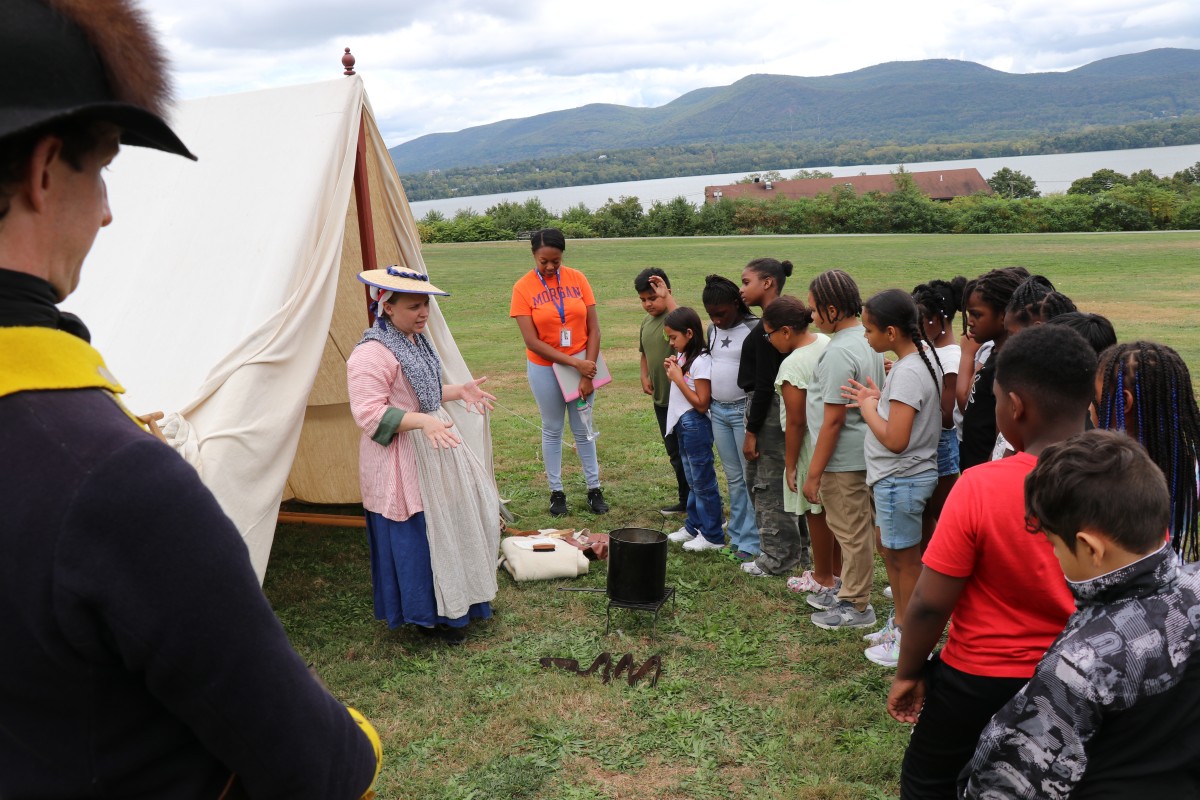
(432, 509)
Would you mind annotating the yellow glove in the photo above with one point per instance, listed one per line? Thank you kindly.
(369, 730)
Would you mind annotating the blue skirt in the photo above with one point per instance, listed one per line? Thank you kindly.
(402, 577)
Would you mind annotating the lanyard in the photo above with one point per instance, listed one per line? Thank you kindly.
(560, 304)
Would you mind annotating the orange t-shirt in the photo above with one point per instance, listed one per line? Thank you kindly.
(533, 297)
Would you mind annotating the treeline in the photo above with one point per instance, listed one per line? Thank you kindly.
(1104, 201)
(702, 159)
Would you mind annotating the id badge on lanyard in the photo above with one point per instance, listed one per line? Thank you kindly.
(560, 305)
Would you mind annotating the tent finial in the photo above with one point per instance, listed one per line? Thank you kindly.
(348, 63)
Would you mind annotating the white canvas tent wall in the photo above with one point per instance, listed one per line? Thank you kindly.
(225, 294)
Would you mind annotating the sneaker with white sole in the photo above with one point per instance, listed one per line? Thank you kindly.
(844, 615)
(752, 568)
(878, 636)
(698, 543)
(681, 535)
(806, 583)
(887, 652)
(823, 600)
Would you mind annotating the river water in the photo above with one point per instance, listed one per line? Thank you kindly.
(1053, 174)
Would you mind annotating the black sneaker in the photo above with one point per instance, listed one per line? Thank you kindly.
(678, 508)
(596, 501)
(558, 503)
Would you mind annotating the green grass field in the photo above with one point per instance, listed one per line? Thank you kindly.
(754, 701)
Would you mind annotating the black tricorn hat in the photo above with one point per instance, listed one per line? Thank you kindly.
(83, 59)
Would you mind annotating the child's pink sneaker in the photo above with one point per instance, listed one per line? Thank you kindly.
(806, 583)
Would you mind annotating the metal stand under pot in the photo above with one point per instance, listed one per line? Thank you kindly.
(637, 573)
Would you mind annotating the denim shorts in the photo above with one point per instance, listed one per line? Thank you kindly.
(899, 506)
(947, 454)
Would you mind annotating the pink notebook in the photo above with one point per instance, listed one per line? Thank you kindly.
(568, 378)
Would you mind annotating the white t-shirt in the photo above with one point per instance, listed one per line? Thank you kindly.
(678, 405)
(725, 347)
(950, 355)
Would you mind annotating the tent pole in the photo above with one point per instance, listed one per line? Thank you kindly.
(362, 202)
(333, 520)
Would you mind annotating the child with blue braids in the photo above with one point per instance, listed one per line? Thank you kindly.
(1144, 389)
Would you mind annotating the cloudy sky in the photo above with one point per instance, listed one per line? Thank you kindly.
(444, 65)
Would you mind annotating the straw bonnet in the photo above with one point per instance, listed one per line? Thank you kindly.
(396, 279)
(83, 59)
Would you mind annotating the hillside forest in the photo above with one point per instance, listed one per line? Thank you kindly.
(613, 166)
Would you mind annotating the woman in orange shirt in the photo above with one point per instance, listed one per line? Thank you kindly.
(556, 312)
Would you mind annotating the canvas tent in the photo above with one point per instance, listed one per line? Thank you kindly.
(225, 293)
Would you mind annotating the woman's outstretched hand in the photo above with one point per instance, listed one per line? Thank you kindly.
(475, 398)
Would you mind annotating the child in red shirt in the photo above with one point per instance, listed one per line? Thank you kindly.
(1002, 589)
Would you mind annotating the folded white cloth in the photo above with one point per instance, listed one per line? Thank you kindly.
(525, 564)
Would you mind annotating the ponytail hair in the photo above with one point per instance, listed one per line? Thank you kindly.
(895, 308)
(788, 312)
(940, 299)
(776, 270)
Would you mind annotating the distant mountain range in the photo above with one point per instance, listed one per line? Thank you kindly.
(902, 103)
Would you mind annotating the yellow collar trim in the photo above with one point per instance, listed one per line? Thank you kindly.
(44, 359)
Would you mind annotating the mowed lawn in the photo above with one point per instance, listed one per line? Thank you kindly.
(754, 701)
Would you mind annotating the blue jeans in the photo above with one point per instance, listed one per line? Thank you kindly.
(704, 500)
(729, 430)
(947, 453)
(899, 506)
(553, 407)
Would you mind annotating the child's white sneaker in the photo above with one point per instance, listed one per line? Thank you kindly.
(699, 543)
(681, 535)
(887, 652)
(878, 636)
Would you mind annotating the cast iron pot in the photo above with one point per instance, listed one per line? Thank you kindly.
(637, 565)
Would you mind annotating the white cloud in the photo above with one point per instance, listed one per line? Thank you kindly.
(453, 64)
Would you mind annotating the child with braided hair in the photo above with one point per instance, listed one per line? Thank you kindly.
(1035, 301)
(729, 331)
(1144, 389)
(782, 537)
(837, 474)
(905, 423)
(938, 301)
(985, 306)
